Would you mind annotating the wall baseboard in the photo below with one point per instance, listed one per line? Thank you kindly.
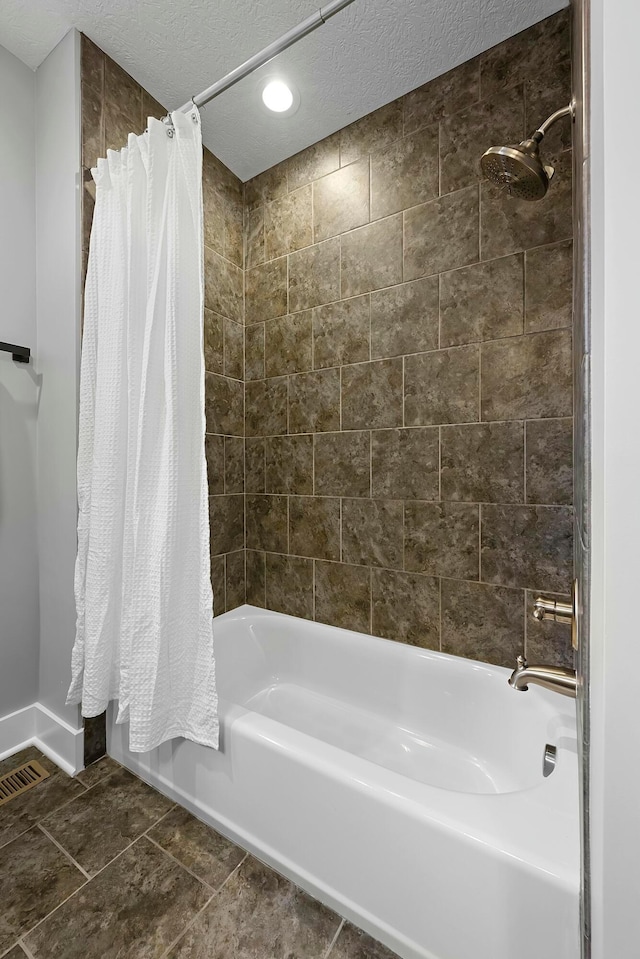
(38, 726)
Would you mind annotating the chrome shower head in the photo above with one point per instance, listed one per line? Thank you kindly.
(518, 168)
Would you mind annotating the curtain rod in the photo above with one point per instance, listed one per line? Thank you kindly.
(253, 63)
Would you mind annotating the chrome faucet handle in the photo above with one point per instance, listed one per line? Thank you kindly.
(553, 610)
(558, 612)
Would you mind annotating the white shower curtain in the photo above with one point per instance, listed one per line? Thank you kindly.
(143, 590)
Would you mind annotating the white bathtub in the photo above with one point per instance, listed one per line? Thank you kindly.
(400, 786)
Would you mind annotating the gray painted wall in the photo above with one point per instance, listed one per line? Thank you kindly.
(18, 390)
(58, 251)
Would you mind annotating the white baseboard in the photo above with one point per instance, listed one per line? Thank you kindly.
(38, 726)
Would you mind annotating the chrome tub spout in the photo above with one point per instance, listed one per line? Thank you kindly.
(556, 678)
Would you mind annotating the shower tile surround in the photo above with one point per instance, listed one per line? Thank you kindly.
(388, 356)
(408, 368)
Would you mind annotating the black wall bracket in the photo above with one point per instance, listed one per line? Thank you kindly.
(21, 354)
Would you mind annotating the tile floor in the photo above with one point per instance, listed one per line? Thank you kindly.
(104, 867)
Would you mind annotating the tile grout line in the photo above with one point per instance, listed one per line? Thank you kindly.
(200, 911)
(121, 853)
(25, 948)
(63, 850)
(179, 863)
(334, 939)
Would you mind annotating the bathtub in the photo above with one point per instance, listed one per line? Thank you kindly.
(402, 787)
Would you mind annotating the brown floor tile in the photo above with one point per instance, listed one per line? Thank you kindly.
(135, 908)
(353, 943)
(97, 771)
(26, 810)
(101, 823)
(259, 914)
(208, 855)
(35, 877)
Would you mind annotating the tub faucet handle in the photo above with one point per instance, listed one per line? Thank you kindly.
(559, 612)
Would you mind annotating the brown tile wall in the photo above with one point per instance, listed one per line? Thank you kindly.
(408, 397)
(114, 105)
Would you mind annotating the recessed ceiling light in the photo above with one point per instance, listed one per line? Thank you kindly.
(277, 96)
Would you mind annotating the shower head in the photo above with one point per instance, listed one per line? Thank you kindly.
(519, 167)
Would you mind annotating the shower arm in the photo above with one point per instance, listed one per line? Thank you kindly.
(568, 111)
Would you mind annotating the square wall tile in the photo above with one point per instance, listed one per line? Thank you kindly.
(288, 344)
(314, 401)
(527, 376)
(214, 453)
(289, 464)
(314, 275)
(404, 318)
(222, 285)
(288, 223)
(266, 407)
(226, 516)
(405, 174)
(527, 546)
(254, 237)
(482, 302)
(343, 596)
(254, 352)
(405, 607)
(483, 463)
(442, 387)
(341, 332)
(316, 161)
(442, 234)
(341, 200)
(549, 461)
(233, 349)
(482, 622)
(446, 94)
(405, 464)
(224, 405)
(213, 342)
(289, 585)
(234, 464)
(266, 186)
(255, 481)
(372, 395)
(372, 532)
(314, 526)
(371, 257)
(235, 579)
(549, 287)
(535, 50)
(256, 578)
(342, 464)
(265, 289)
(371, 133)
(267, 523)
(442, 539)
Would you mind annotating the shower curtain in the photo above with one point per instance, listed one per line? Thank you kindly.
(144, 633)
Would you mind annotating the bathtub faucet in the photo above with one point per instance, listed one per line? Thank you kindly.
(557, 678)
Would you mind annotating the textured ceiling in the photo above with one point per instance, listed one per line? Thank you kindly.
(365, 56)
